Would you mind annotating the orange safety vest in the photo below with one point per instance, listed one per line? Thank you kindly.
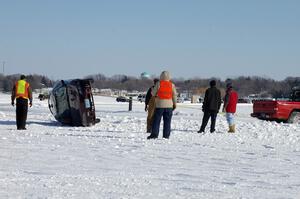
(165, 90)
(22, 89)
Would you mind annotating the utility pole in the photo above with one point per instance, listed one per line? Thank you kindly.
(3, 67)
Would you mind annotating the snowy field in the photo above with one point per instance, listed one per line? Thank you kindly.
(113, 159)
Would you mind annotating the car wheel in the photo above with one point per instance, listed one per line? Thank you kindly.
(294, 117)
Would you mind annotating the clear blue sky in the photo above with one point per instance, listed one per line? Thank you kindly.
(190, 38)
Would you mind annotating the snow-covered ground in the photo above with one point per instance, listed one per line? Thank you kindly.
(113, 159)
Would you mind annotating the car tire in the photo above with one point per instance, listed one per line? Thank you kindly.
(294, 118)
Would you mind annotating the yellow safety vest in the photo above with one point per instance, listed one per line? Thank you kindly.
(22, 89)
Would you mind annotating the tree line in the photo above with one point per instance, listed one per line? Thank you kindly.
(36, 81)
(245, 85)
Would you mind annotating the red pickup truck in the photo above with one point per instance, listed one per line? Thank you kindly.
(279, 110)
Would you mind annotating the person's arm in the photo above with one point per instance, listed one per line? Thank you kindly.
(219, 100)
(174, 96)
(204, 105)
(148, 96)
(13, 95)
(226, 99)
(30, 96)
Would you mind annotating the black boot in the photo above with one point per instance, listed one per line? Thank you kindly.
(151, 137)
(200, 131)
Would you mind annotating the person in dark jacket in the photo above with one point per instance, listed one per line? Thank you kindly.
(150, 106)
(22, 93)
(211, 106)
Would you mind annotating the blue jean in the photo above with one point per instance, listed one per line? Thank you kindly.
(230, 118)
(166, 113)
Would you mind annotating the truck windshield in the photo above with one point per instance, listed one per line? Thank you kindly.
(297, 96)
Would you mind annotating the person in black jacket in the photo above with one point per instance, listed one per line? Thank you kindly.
(211, 106)
(150, 106)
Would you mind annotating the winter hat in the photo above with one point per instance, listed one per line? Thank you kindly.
(165, 75)
(212, 83)
(155, 80)
(22, 77)
(229, 85)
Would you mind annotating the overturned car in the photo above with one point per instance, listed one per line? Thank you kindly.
(71, 102)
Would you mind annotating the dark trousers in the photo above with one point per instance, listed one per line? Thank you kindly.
(166, 113)
(213, 116)
(21, 112)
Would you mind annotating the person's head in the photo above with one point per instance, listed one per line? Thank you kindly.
(212, 83)
(155, 80)
(22, 77)
(229, 85)
(165, 76)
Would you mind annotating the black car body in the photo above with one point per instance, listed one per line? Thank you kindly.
(122, 99)
(71, 102)
(43, 96)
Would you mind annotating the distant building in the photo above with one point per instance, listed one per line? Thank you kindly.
(145, 75)
(105, 92)
(196, 99)
(120, 92)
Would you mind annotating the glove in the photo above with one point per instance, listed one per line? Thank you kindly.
(146, 108)
(30, 104)
(223, 110)
(12, 103)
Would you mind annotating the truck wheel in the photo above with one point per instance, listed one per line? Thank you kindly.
(294, 118)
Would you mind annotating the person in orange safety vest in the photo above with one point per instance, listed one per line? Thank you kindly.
(165, 103)
(22, 93)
